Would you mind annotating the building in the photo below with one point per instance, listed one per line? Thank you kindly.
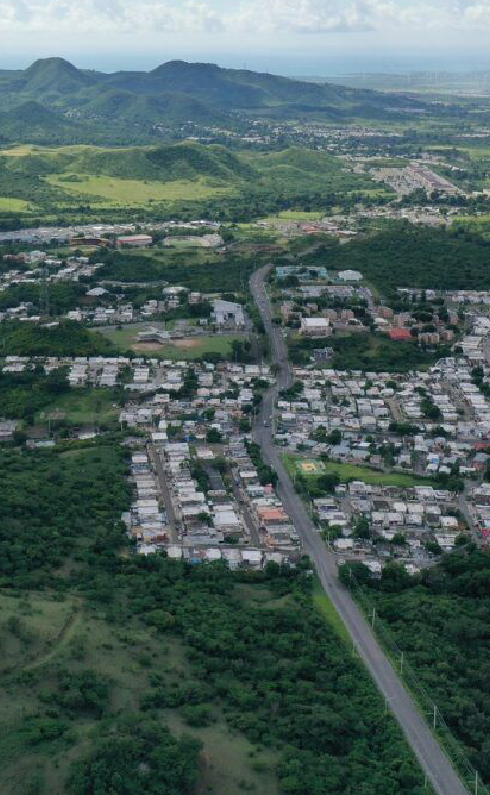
(399, 334)
(315, 327)
(350, 276)
(154, 335)
(134, 241)
(77, 242)
(228, 313)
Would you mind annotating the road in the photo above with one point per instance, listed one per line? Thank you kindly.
(164, 491)
(432, 758)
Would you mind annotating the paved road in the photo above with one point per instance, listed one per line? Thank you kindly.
(164, 491)
(432, 758)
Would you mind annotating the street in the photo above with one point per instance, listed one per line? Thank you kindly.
(432, 758)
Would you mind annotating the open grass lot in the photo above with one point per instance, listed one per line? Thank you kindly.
(42, 623)
(229, 760)
(13, 205)
(84, 405)
(183, 349)
(126, 336)
(194, 347)
(300, 215)
(112, 191)
(346, 472)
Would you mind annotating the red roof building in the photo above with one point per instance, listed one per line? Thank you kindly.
(400, 334)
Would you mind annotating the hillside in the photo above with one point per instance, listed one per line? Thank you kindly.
(174, 93)
(172, 107)
(139, 176)
(33, 121)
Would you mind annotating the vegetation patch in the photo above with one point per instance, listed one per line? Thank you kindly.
(113, 191)
(435, 617)
(347, 472)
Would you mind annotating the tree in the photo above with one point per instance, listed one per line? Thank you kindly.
(334, 437)
(213, 436)
(361, 528)
(244, 426)
(139, 758)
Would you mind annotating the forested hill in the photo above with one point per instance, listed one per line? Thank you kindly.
(178, 91)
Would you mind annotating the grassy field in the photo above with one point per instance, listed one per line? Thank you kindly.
(84, 406)
(41, 636)
(13, 205)
(348, 472)
(110, 191)
(194, 347)
(299, 215)
(179, 349)
(328, 611)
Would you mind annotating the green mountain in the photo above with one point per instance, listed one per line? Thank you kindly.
(177, 92)
(53, 75)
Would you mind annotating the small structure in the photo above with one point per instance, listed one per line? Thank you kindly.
(350, 276)
(154, 335)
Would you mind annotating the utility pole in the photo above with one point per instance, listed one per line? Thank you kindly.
(476, 782)
(401, 664)
(373, 617)
(434, 721)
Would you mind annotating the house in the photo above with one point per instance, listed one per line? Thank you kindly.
(7, 428)
(315, 327)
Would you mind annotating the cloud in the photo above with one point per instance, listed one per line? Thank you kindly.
(303, 16)
(253, 16)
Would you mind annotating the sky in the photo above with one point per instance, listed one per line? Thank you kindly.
(291, 37)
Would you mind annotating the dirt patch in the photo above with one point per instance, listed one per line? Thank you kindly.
(186, 342)
(146, 346)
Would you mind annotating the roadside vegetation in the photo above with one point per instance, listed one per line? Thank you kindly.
(435, 618)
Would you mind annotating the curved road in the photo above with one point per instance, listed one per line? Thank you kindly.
(432, 758)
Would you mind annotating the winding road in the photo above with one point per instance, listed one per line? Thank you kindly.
(431, 756)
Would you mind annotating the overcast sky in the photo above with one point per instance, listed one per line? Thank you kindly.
(287, 36)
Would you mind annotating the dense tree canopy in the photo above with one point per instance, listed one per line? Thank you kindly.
(138, 758)
(436, 619)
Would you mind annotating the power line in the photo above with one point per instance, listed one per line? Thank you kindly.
(450, 745)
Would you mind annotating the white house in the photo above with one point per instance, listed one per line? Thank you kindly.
(315, 326)
(350, 276)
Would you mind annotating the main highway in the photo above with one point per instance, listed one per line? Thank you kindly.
(431, 756)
